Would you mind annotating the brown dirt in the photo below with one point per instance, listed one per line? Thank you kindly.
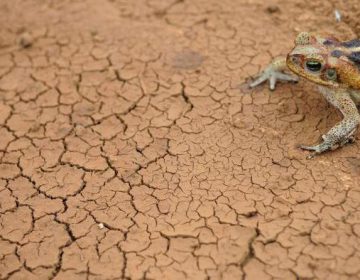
(131, 148)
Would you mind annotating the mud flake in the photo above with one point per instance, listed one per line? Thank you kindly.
(47, 75)
(10, 262)
(271, 229)
(69, 98)
(111, 239)
(156, 149)
(109, 127)
(226, 140)
(164, 207)
(254, 269)
(7, 202)
(304, 267)
(143, 139)
(137, 240)
(58, 129)
(48, 98)
(14, 81)
(45, 206)
(206, 211)
(90, 161)
(118, 215)
(109, 265)
(95, 78)
(63, 181)
(50, 151)
(6, 138)
(98, 65)
(4, 113)
(82, 228)
(8, 171)
(46, 240)
(16, 224)
(351, 266)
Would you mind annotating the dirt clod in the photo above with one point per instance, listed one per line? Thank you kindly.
(25, 40)
(273, 9)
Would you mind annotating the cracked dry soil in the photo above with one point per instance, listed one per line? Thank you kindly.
(131, 148)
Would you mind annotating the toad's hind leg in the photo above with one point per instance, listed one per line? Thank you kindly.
(343, 132)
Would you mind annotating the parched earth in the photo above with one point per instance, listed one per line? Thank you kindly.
(132, 148)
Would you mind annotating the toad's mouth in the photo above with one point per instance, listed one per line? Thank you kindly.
(294, 63)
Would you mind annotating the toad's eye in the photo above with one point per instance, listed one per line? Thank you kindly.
(313, 65)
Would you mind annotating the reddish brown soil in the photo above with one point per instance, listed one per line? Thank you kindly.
(131, 147)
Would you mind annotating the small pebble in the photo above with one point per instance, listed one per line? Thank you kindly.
(273, 9)
(25, 40)
(337, 15)
(101, 226)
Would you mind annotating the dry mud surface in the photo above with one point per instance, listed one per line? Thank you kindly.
(131, 148)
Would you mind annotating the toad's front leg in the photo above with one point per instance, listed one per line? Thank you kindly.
(342, 132)
(273, 73)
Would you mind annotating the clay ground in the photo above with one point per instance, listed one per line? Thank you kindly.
(131, 147)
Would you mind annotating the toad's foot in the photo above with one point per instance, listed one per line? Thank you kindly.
(317, 149)
(273, 73)
(273, 76)
(327, 145)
